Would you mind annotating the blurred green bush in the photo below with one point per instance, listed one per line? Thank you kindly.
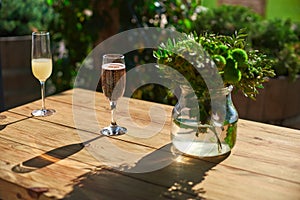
(174, 14)
(277, 38)
(226, 20)
(75, 27)
(280, 40)
(74, 32)
(18, 18)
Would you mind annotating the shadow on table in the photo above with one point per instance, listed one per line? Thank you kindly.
(50, 157)
(179, 180)
(3, 126)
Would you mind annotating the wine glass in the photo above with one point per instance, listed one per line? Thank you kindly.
(113, 85)
(41, 65)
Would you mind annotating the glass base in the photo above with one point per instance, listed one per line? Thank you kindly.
(201, 149)
(42, 112)
(113, 130)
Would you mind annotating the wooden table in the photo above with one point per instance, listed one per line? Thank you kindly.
(48, 158)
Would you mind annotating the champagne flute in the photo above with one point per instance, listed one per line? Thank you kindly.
(113, 85)
(41, 65)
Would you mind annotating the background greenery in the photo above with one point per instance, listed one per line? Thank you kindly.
(22, 17)
(283, 9)
(75, 27)
(278, 38)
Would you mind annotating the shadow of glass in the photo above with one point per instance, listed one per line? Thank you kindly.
(178, 180)
(50, 157)
(3, 126)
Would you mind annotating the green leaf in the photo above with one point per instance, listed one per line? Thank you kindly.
(50, 2)
(187, 24)
(67, 2)
(231, 134)
(260, 86)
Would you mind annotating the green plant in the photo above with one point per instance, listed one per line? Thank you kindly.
(279, 40)
(192, 57)
(226, 20)
(287, 61)
(22, 17)
(174, 14)
(77, 27)
(245, 69)
(276, 38)
(177, 14)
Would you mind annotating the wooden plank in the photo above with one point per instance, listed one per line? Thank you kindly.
(69, 179)
(9, 190)
(260, 135)
(229, 183)
(185, 176)
(176, 172)
(264, 154)
(93, 120)
(56, 172)
(263, 148)
(37, 134)
(224, 182)
(7, 119)
(62, 172)
(85, 96)
(103, 185)
(95, 101)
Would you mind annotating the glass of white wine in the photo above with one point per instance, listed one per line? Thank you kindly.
(113, 82)
(41, 65)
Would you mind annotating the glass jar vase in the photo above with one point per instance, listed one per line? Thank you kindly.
(205, 126)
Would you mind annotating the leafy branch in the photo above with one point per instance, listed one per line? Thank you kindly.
(245, 69)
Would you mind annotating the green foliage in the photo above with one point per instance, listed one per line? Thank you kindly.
(23, 17)
(246, 72)
(219, 60)
(231, 134)
(287, 61)
(239, 55)
(77, 25)
(276, 38)
(226, 20)
(232, 74)
(275, 34)
(279, 40)
(176, 14)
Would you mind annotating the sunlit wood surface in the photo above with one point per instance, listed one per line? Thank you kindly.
(64, 156)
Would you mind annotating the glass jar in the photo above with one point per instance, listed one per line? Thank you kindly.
(204, 127)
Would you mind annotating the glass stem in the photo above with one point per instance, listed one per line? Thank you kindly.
(43, 94)
(113, 105)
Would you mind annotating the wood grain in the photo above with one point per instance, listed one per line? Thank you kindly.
(264, 164)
